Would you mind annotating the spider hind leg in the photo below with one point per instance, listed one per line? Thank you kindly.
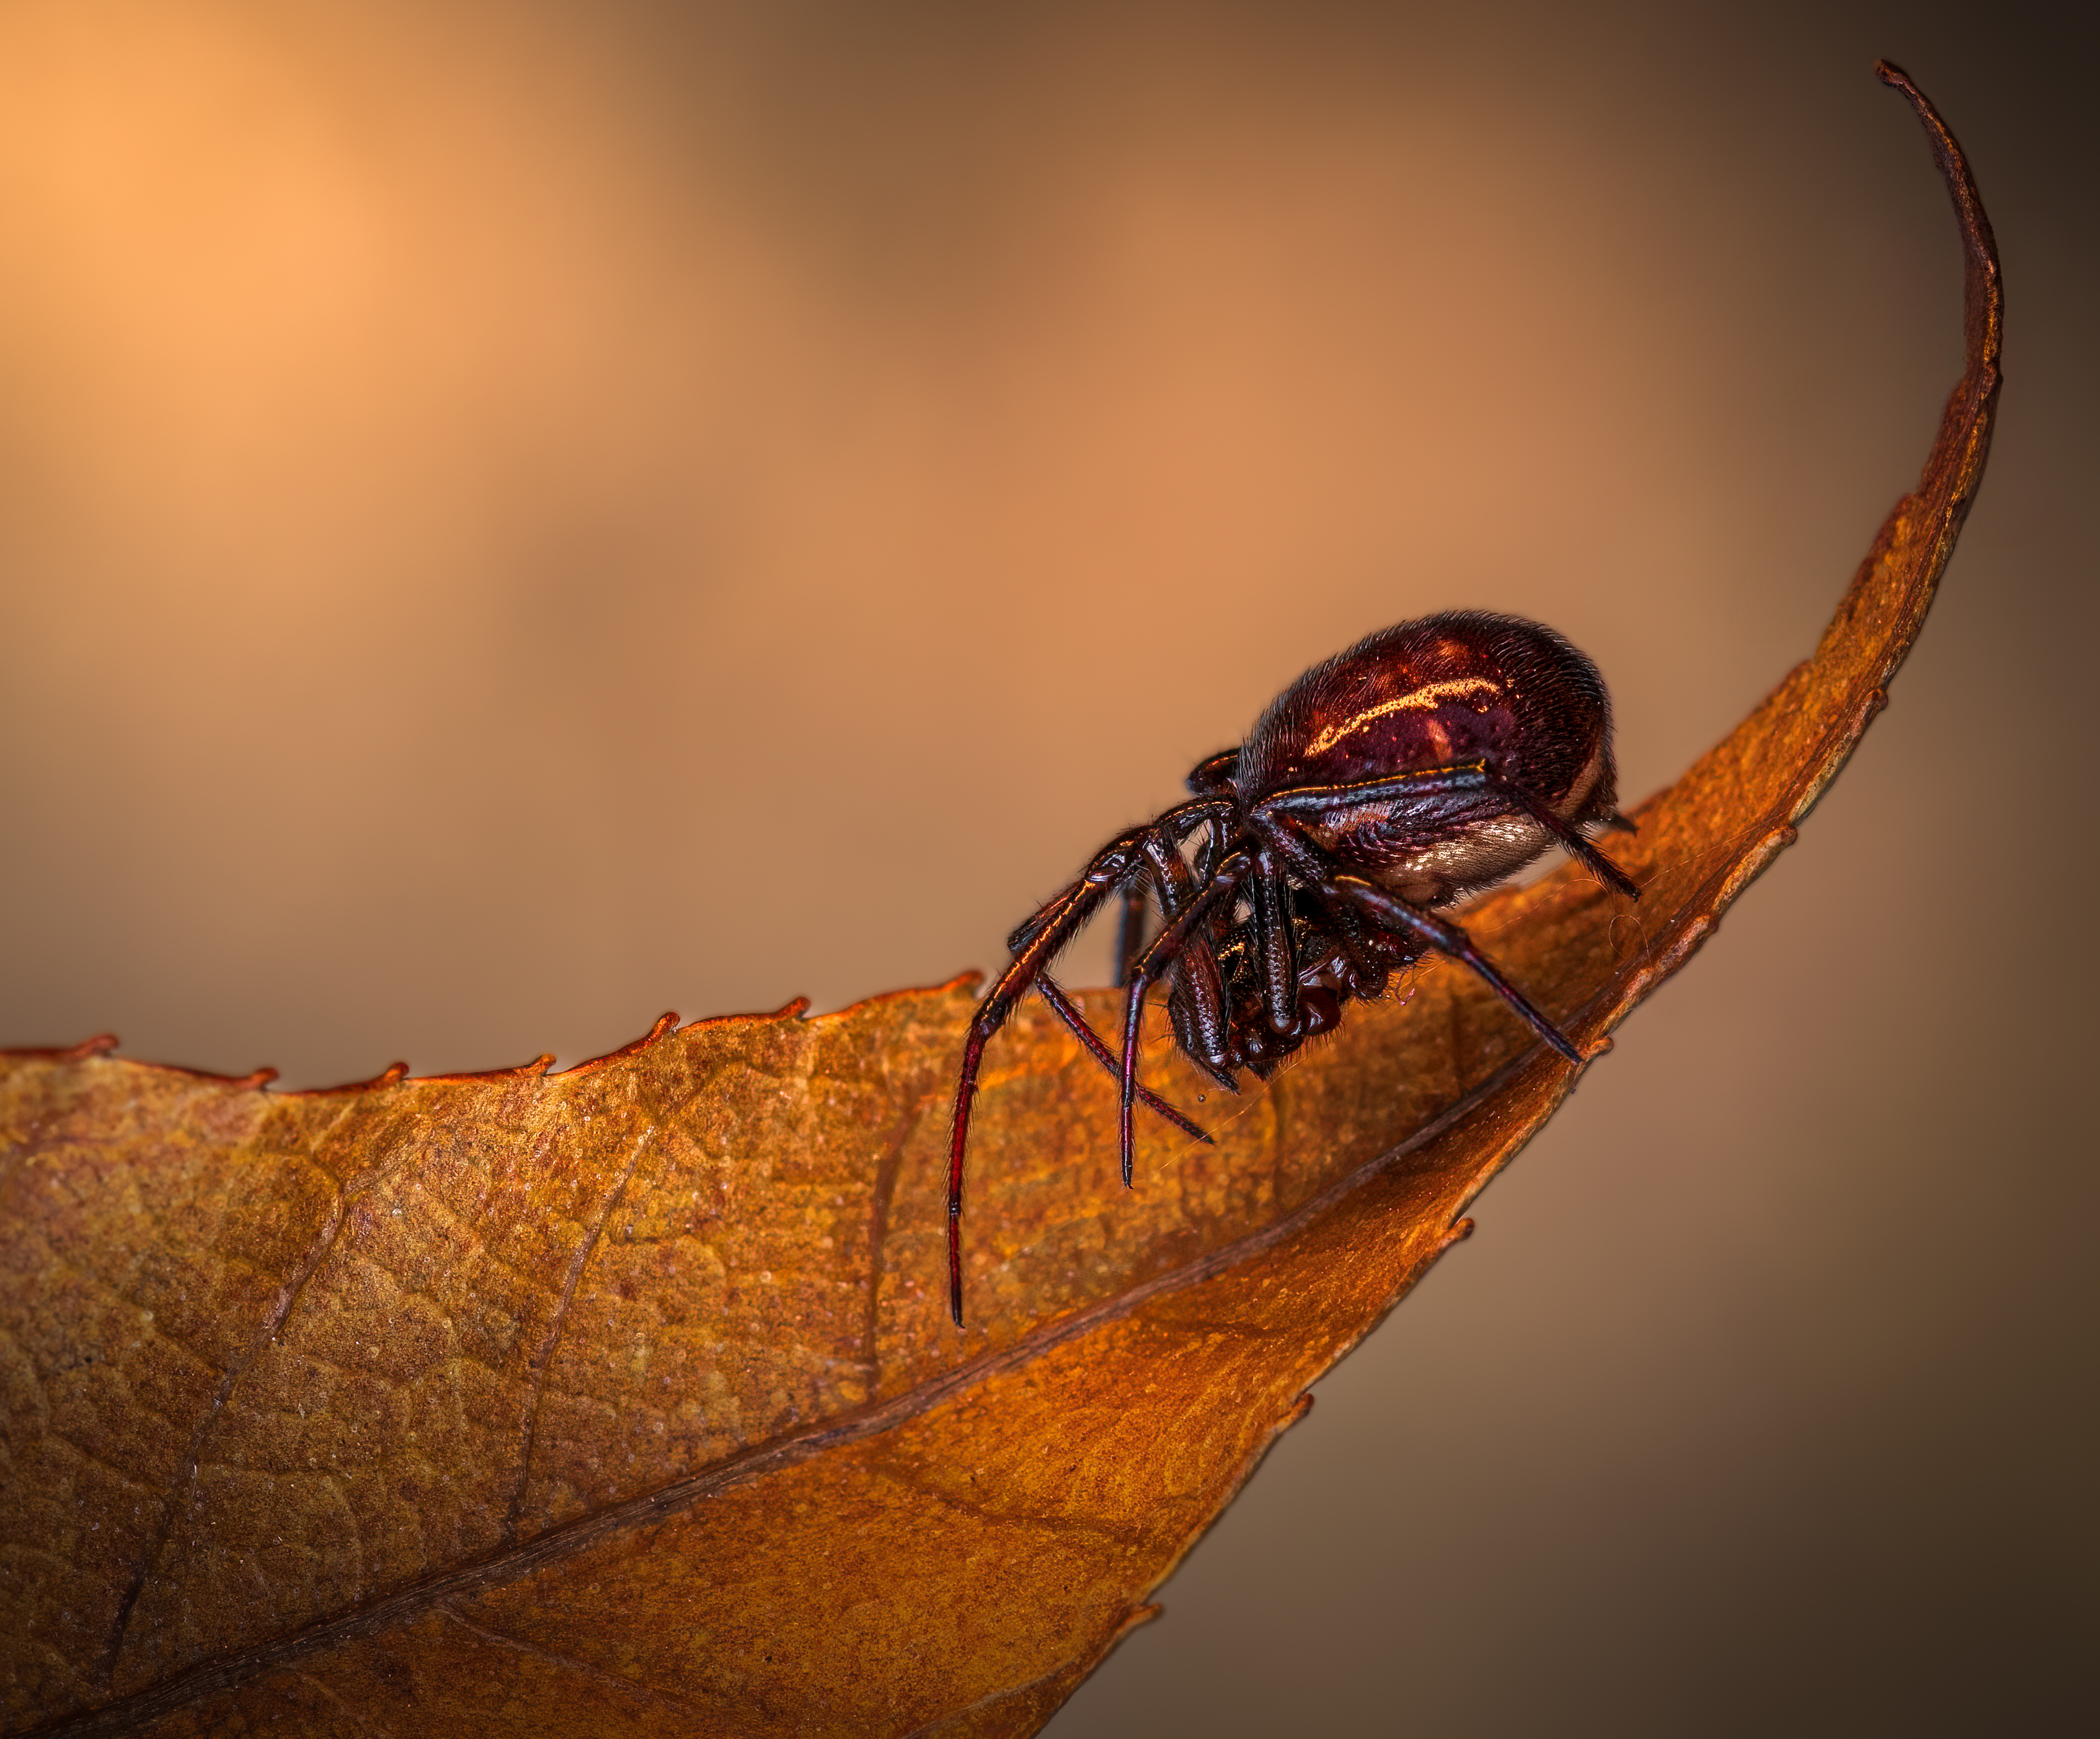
(1393, 913)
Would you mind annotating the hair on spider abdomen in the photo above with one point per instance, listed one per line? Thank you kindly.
(1429, 761)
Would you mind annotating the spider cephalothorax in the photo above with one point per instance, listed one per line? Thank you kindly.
(1428, 761)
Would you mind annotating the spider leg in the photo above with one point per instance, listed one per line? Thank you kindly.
(1319, 799)
(1275, 952)
(1573, 843)
(1053, 993)
(1196, 972)
(1130, 934)
(1214, 773)
(1214, 1048)
(1477, 776)
(1212, 848)
(1167, 945)
(1035, 945)
(1396, 914)
(1351, 933)
(1164, 846)
(1178, 823)
(1040, 940)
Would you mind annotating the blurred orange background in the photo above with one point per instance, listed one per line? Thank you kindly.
(518, 517)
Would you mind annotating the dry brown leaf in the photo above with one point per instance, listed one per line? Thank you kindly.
(625, 1399)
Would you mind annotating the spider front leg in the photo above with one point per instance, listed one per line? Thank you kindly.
(1164, 848)
(1035, 945)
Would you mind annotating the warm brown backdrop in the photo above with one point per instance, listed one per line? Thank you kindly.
(513, 518)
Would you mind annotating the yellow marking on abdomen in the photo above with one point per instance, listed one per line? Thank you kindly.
(1421, 700)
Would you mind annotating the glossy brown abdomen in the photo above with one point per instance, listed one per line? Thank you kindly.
(1448, 691)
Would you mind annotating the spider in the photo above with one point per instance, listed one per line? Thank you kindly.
(1430, 760)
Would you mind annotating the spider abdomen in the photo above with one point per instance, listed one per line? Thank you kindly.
(1466, 688)
(1465, 685)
